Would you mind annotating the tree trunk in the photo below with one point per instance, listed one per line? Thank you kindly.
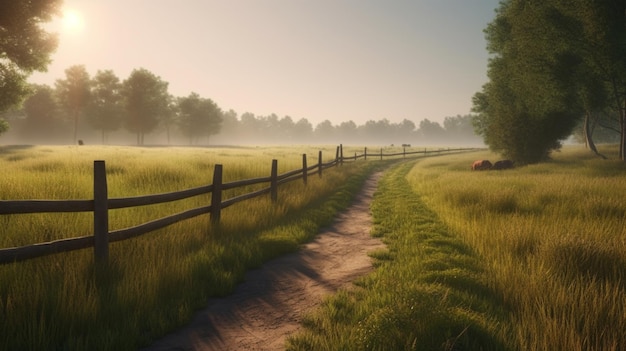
(75, 127)
(588, 132)
(622, 123)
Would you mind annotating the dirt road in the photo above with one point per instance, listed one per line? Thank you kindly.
(269, 304)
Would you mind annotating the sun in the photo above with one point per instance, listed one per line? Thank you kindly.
(72, 21)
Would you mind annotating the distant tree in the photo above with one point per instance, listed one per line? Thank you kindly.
(169, 118)
(325, 132)
(105, 111)
(24, 45)
(405, 131)
(198, 117)
(231, 129)
(347, 131)
(286, 128)
(145, 100)
(41, 112)
(74, 93)
(431, 131)
(4, 126)
(459, 129)
(303, 130)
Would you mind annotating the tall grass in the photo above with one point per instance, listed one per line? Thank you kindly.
(156, 281)
(526, 259)
(553, 239)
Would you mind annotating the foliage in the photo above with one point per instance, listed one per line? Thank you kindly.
(105, 110)
(74, 93)
(4, 126)
(528, 105)
(24, 46)
(198, 117)
(145, 101)
(42, 113)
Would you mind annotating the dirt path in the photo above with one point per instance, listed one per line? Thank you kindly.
(269, 304)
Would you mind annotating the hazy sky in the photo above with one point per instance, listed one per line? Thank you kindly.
(339, 60)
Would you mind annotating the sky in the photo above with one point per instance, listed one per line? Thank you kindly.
(336, 60)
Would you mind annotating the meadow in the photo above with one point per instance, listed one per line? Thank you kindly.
(154, 282)
(525, 259)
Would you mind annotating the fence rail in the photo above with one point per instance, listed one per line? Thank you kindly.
(101, 204)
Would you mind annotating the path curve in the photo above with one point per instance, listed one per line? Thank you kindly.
(269, 304)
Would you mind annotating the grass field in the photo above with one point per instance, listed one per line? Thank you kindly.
(526, 259)
(156, 281)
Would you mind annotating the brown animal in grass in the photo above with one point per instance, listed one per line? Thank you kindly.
(481, 165)
(503, 164)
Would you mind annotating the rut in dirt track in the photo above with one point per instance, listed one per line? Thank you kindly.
(269, 304)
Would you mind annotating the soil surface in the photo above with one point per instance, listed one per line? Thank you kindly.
(269, 305)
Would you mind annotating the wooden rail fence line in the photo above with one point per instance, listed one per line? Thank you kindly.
(101, 204)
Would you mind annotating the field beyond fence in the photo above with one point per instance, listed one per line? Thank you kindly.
(101, 204)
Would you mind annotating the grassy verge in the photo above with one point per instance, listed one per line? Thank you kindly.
(156, 281)
(427, 293)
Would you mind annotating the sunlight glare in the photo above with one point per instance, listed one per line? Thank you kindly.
(72, 21)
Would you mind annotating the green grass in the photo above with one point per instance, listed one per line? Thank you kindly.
(154, 282)
(526, 259)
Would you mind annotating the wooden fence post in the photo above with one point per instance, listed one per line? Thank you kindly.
(381, 153)
(404, 152)
(341, 154)
(274, 181)
(216, 195)
(100, 213)
(365, 154)
(304, 169)
(337, 155)
(319, 163)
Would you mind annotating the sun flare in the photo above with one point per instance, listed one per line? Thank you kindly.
(72, 21)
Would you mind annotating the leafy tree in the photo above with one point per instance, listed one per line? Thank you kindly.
(347, 131)
(4, 126)
(198, 117)
(169, 118)
(303, 130)
(430, 131)
(325, 131)
(145, 100)
(74, 93)
(597, 36)
(529, 103)
(105, 110)
(24, 45)
(41, 110)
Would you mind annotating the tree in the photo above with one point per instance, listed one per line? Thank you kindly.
(74, 93)
(145, 100)
(25, 46)
(530, 103)
(41, 111)
(597, 36)
(198, 117)
(4, 126)
(303, 130)
(325, 132)
(431, 131)
(105, 110)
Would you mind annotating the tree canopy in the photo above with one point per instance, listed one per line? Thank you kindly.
(24, 46)
(552, 62)
(145, 101)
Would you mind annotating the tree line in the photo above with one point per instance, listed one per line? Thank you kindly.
(80, 105)
(554, 65)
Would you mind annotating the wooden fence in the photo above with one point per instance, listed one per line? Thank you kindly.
(101, 204)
